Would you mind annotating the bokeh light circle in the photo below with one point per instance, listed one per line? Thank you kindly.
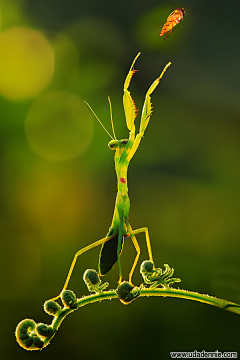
(26, 63)
(59, 126)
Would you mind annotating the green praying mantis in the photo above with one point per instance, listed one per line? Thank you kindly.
(125, 149)
(157, 282)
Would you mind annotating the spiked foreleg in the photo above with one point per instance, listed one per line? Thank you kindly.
(147, 107)
(146, 113)
(128, 102)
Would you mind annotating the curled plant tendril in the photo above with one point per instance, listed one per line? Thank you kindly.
(69, 299)
(27, 336)
(52, 307)
(45, 330)
(155, 277)
(127, 292)
(93, 282)
(32, 336)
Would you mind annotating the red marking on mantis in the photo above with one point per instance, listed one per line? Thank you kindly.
(123, 180)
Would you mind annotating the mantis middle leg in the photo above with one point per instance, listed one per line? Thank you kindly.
(80, 252)
(119, 249)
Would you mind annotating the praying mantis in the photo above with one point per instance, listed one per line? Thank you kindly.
(125, 149)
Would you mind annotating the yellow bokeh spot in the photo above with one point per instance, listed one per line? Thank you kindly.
(67, 69)
(26, 63)
(59, 126)
(55, 201)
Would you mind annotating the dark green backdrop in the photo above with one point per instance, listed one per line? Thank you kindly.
(58, 186)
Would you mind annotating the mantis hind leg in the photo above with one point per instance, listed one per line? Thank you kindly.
(80, 252)
(149, 248)
(137, 247)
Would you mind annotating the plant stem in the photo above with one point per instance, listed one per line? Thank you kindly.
(165, 292)
(190, 295)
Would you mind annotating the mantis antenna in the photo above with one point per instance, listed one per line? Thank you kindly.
(110, 105)
(98, 120)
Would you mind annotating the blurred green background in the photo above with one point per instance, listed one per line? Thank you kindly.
(58, 183)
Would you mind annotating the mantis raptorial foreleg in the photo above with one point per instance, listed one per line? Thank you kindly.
(146, 113)
(128, 102)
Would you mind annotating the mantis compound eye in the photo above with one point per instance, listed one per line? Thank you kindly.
(112, 144)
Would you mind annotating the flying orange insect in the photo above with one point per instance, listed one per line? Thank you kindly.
(174, 18)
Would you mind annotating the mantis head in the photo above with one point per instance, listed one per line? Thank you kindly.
(117, 144)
